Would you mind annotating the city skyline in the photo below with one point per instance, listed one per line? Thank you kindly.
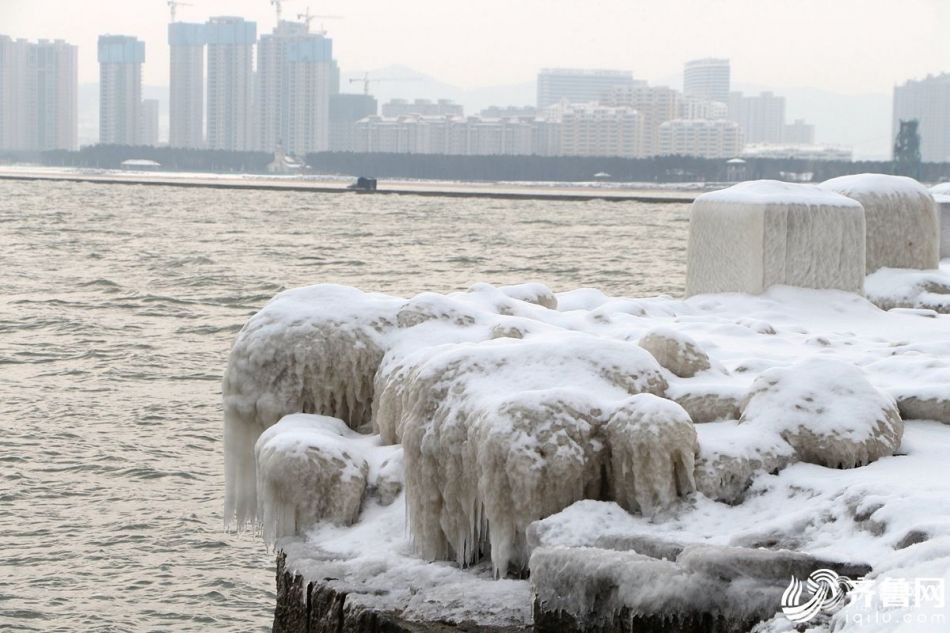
(618, 35)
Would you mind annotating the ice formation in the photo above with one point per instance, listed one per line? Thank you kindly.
(309, 469)
(675, 351)
(827, 411)
(902, 223)
(942, 201)
(498, 411)
(310, 350)
(499, 433)
(650, 439)
(758, 234)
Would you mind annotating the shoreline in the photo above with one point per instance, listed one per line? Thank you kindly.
(566, 193)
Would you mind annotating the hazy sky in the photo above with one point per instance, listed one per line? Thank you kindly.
(850, 46)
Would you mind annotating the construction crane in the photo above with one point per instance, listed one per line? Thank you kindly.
(173, 6)
(307, 18)
(366, 80)
(277, 5)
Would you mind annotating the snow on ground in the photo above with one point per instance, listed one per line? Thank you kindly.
(440, 366)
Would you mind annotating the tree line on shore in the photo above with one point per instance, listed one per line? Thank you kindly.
(659, 169)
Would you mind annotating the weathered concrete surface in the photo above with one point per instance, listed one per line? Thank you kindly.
(319, 607)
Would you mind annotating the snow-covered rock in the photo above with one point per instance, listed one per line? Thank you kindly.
(652, 446)
(707, 402)
(759, 234)
(731, 455)
(310, 350)
(891, 288)
(309, 469)
(902, 224)
(827, 411)
(675, 351)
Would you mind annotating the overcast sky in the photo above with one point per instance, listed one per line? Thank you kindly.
(850, 46)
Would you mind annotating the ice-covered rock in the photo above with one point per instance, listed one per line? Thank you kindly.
(652, 446)
(707, 402)
(503, 432)
(308, 470)
(827, 411)
(675, 351)
(901, 219)
(763, 233)
(310, 350)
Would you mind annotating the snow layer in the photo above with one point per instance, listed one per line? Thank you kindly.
(902, 224)
(759, 234)
(892, 288)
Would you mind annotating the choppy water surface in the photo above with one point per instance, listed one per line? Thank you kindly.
(118, 305)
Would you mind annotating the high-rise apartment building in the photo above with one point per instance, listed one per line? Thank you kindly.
(296, 75)
(699, 137)
(762, 117)
(579, 85)
(186, 88)
(148, 130)
(799, 133)
(230, 103)
(708, 79)
(120, 88)
(592, 129)
(345, 111)
(656, 104)
(38, 95)
(927, 101)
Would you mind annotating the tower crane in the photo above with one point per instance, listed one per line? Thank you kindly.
(308, 17)
(277, 6)
(173, 7)
(366, 80)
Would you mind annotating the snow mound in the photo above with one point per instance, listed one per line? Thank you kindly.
(901, 217)
(652, 450)
(827, 411)
(308, 471)
(675, 351)
(759, 234)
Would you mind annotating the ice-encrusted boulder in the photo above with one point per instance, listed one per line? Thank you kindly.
(827, 411)
(707, 402)
(675, 351)
(763, 233)
(502, 432)
(309, 469)
(310, 350)
(901, 219)
(652, 445)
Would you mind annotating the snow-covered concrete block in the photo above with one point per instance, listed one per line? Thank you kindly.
(827, 411)
(759, 234)
(901, 219)
(652, 447)
(310, 350)
(675, 351)
(308, 471)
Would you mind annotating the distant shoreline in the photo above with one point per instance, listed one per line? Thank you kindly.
(560, 192)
